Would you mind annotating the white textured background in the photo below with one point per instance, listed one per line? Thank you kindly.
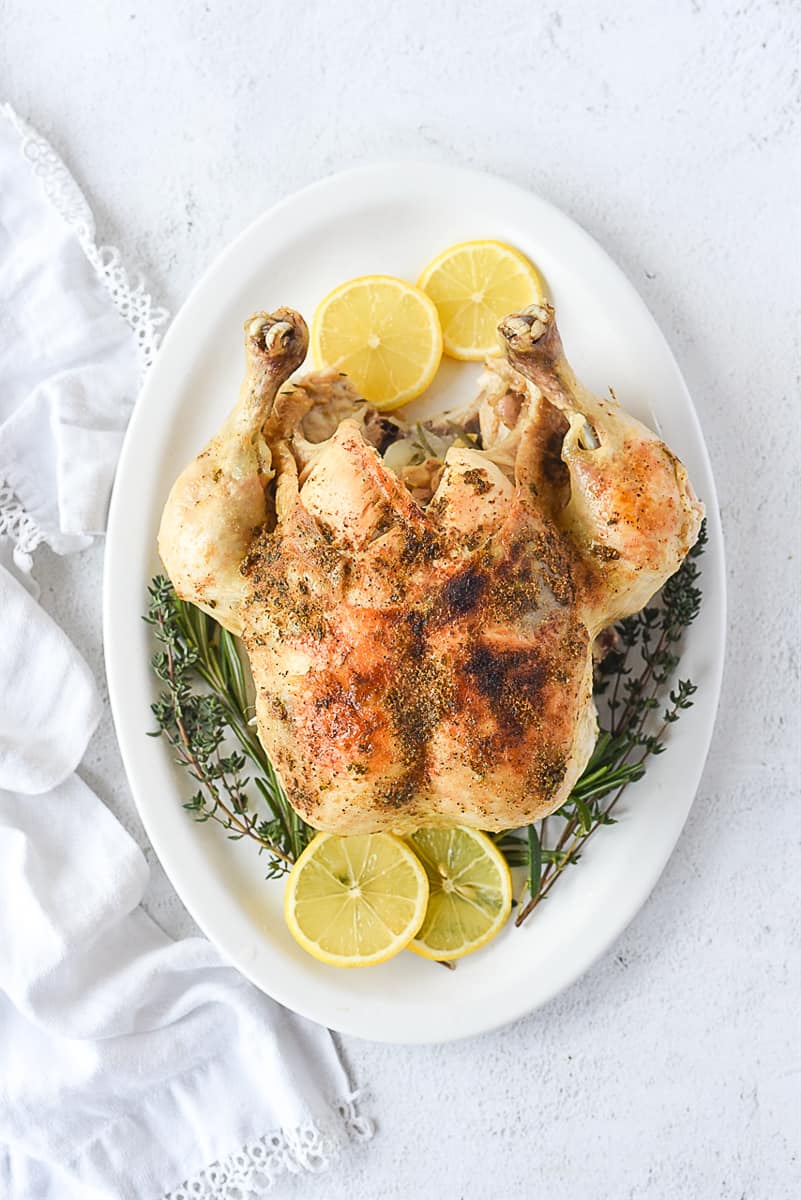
(671, 132)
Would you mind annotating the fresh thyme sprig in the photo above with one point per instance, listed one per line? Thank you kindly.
(202, 724)
(633, 677)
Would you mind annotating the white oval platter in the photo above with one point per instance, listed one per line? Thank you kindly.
(392, 219)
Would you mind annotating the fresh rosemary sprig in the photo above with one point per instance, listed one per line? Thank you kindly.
(201, 725)
(633, 677)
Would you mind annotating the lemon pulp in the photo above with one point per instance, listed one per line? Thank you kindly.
(383, 333)
(474, 285)
(356, 901)
(470, 891)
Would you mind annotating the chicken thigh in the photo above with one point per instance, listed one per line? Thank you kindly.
(419, 606)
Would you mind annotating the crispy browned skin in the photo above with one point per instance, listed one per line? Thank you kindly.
(631, 512)
(403, 682)
(431, 663)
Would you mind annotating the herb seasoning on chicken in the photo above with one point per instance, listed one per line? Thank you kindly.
(419, 603)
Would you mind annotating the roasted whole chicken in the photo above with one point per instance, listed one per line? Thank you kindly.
(419, 603)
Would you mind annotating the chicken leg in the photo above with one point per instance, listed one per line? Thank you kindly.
(632, 512)
(220, 500)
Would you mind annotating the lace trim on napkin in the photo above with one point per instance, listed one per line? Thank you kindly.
(251, 1173)
(129, 296)
(17, 524)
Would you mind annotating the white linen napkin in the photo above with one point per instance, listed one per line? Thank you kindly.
(132, 1067)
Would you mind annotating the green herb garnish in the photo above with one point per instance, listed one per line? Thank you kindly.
(204, 725)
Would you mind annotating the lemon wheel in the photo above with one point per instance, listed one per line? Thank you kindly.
(383, 333)
(474, 285)
(357, 901)
(470, 892)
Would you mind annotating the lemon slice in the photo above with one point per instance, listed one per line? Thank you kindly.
(474, 285)
(357, 901)
(470, 891)
(382, 332)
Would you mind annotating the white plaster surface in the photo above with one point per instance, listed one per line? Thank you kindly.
(671, 132)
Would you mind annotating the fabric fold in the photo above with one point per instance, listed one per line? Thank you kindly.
(49, 705)
(131, 1062)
